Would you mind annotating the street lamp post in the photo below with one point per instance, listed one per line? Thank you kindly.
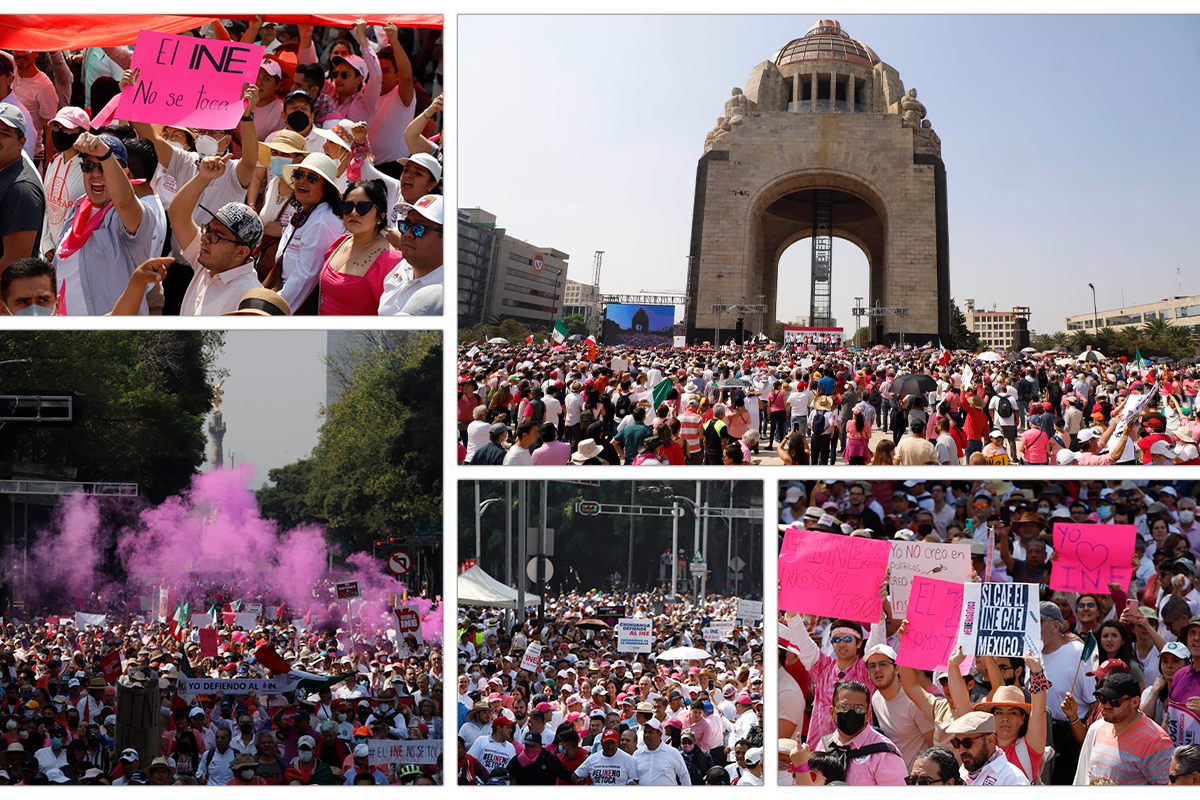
(1095, 314)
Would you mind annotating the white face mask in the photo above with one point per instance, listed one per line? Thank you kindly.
(306, 756)
(206, 145)
(32, 310)
(12, 724)
(1186, 516)
(247, 774)
(341, 717)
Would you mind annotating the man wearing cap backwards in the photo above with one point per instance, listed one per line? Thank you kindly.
(1126, 747)
(414, 287)
(22, 199)
(973, 740)
(658, 763)
(895, 713)
(497, 749)
(871, 758)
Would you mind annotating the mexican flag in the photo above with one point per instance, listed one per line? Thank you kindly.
(216, 615)
(297, 680)
(529, 338)
(181, 617)
(560, 332)
(661, 389)
(590, 339)
(945, 357)
(182, 700)
(1142, 366)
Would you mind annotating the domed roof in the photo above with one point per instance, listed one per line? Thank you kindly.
(826, 40)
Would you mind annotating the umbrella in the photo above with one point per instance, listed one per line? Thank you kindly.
(905, 385)
(1092, 355)
(592, 624)
(734, 382)
(684, 654)
(879, 347)
(1028, 350)
(990, 355)
(1062, 362)
(498, 340)
(575, 337)
(557, 348)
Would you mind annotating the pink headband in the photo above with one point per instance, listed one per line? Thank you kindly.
(847, 631)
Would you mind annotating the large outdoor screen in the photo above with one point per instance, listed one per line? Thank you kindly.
(637, 325)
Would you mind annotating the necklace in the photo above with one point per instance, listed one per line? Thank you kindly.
(350, 258)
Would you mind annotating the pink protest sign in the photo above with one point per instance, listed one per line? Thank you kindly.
(189, 82)
(208, 642)
(1089, 557)
(831, 575)
(934, 611)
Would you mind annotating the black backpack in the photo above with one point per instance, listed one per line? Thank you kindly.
(1004, 407)
(818, 424)
(623, 405)
(845, 755)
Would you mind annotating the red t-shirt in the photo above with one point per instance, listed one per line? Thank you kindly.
(1147, 442)
(672, 454)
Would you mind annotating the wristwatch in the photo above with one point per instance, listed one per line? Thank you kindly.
(249, 118)
(106, 156)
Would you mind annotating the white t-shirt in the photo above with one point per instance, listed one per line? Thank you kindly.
(1059, 667)
(492, 754)
(477, 436)
(553, 409)
(212, 295)
(388, 125)
(798, 402)
(574, 408)
(38, 96)
(519, 456)
(63, 185)
(615, 770)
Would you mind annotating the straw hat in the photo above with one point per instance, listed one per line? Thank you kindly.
(261, 303)
(314, 162)
(284, 141)
(824, 403)
(1004, 696)
(588, 449)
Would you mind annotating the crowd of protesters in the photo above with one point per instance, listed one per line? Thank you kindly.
(582, 403)
(1129, 714)
(324, 199)
(592, 714)
(65, 720)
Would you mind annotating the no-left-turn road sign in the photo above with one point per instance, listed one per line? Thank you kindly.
(399, 563)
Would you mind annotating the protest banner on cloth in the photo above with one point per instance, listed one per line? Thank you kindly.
(1001, 619)
(404, 751)
(1089, 557)
(532, 658)
(408, 623)
(208, 643)
(635, 635)
(832, 576)
(189, 82)
(943, 562)
(231, 685)
(934, 613)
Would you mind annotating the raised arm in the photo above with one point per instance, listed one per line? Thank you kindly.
(1005, 547)
(959, 696)
(121, 56)
(249, 159)
(1035, 734)
(404, 69)
(251, 34)
(184, 204)
(164, 149)
(125, 202)
(810, 653)
(414, 133)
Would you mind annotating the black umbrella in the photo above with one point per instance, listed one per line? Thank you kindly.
(905, 385)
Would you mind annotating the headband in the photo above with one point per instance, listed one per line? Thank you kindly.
(847, 631)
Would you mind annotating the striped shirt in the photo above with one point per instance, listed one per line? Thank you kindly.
(1142, 755)
(689, 431)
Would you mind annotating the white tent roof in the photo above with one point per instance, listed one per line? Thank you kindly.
(477, 588)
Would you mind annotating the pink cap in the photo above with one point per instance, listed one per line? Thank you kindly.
(674, 722)
(272, 68)
(744, 699)
(574, 715)
(543, 707)
(495, 697)
(694, 671)
(73, 117)
(356, 63)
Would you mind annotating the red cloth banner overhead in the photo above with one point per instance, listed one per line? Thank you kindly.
(44, 32)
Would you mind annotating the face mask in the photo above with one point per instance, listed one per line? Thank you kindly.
(72, 722)
(63, 141)
(12, 723)
(360, 740)
(298, 121)
(341, 717)
(1104, 512)
(851, 722)
(1187, 516)
(246, 727)
(277, 165)
(23, 735)
(306, 756)
(247, 774)
(33, 310)
(206, 146)
(56, 742)
(1043, 512)
(924, 530)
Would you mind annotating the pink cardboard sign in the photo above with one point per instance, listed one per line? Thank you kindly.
(934, 611)
(832, 575)
(208, 642)
(189, 82)
(1089, 557)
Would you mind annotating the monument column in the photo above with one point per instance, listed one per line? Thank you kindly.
(814, 90)
(797, 91)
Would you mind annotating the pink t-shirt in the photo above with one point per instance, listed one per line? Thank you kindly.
(355, 295)
(1035, 441)
(877, 769)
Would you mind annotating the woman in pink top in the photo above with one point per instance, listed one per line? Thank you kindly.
(1034, 444)
(356, 264)
(858, 439)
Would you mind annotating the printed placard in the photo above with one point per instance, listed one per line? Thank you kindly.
(1000, 619)
(635, 635)
(532, 658)
(718, 629)
(208, 643)
(1089, 557)
(189, 82)
(404, 751)
(230, 685)
(942, 562)
(749, 611)
(832, 576)
(408, 623)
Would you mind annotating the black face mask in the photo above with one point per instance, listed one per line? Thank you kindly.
(246, 727)
(924, 530)
(851, 722)
(63, 141)
(298, 120)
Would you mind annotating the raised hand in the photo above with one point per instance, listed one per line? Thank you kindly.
(359, 132)
(436, 106)
(92, 145)
(153, 270)
(213, 167)
(1069, 707)
(130, 77)
(957, 657)
(250, 95)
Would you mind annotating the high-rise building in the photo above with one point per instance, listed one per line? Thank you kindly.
(996, 329)
(584, 299)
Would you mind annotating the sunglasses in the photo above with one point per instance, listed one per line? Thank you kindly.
(306, 176)
(89, 166)
(919, 780)
(1104, 701)
(962, 744)
(1085, 605)
(1175, 777)
(417, 230)
(344, 73)
(362, 207)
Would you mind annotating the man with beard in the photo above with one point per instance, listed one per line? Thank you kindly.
(1126, 748)
(611, 766)
(983, 763)
(870, 757)
(895, 713)
(537, 766)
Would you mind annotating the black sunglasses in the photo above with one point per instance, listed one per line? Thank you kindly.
(362, 207)
(89, 166)
(1175, 777)
(919, 780)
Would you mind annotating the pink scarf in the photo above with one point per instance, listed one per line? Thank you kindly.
(85, 222)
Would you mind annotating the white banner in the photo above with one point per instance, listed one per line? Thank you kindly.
(202, 620)
(97, 620)
(619, 364)
(680, 341)
(246, 620)
(253, 608)
(942, 562)
(532, 658)
(404, 751)
(718, 629)
(635, 635)
(231, 685)
(749, 610)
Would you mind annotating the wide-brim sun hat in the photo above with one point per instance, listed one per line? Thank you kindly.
(313, 162)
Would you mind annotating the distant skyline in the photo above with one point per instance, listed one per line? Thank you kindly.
(1070, 145)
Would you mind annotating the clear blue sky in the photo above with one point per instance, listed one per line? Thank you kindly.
(1070, 142)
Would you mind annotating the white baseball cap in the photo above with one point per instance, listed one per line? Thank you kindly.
(427, 161)
(430, 207)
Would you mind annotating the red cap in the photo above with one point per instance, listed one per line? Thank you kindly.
(1108, 666)
(610, 736)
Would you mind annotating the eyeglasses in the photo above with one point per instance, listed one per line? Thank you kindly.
(212, 237)
(305, 175)
(964, 743)
(362, 207)
(878, 666)
(343, 73)
(856, 709)
(417, 229)
(919, 780)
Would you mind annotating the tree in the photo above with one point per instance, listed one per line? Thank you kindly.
(285, 498)
(377, 465)
(960, 337)
(142, 397)
(575, 324)
(779, 330)
(1042, 342)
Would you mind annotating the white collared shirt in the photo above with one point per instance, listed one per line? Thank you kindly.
(213, 295)
(663, 766)
(399, 287)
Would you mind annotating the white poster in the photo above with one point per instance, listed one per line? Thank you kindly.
(1000, 619)
(619, 365)
(718, 629)
(942, 562)
(246, 621)
(749, 610)
(635, 635)
(408, 623)
(532, 658)
(404, 751)
(680, 341)
(96, 620)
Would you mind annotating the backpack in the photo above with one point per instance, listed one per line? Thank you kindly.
(818, 424)
(623, 405)
(845, 755)
(1004, 406)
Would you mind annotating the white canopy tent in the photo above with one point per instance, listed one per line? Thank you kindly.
(477, 588)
